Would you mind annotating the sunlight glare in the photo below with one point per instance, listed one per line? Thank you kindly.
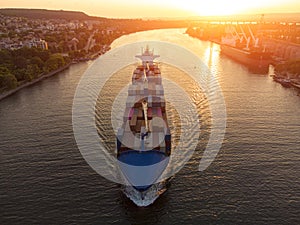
(221, 7)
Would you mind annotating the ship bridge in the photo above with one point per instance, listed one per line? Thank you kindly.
(147, 56)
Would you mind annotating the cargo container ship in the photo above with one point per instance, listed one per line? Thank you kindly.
(246, 49)
(144, 141)
(255, 60)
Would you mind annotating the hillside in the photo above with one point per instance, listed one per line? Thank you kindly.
(47, 14)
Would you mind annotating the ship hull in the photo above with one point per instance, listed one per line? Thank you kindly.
(254, 61)
(142, 169)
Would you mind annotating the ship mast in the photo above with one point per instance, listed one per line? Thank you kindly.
(145, 109)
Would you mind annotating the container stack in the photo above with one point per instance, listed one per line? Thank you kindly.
(146, 86)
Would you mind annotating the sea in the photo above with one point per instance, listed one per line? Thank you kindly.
(253, 179)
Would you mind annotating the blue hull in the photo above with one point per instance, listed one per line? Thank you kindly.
(142, 159)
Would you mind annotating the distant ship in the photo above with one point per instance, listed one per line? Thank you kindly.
(245, 49)
(144, 141)
(285, 82)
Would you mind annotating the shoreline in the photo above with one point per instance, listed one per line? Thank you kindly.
(52, 73)
(27, 84)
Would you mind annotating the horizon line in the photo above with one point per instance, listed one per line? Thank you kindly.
(162, 17)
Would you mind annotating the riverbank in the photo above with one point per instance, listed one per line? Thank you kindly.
(27, 84)
(52, 73)
(269, 47)
(287, 73)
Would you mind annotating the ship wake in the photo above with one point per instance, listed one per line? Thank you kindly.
(147, 197)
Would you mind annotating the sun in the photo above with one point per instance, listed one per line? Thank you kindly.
(221, 7)
(212, 7)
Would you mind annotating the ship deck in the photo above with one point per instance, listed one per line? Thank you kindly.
(146, 86)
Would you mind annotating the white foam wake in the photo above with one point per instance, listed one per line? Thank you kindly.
(147, 197)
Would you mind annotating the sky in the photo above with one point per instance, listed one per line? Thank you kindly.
(160, 8)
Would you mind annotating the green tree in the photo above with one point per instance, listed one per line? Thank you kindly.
(20, 62)
(20, 74)
(25, 52)
(32, 71)
(5, 56)
(43, 54)
(54, 62)
(7, 80)
(37, 60)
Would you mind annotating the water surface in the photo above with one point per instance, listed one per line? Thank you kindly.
(253, 180)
